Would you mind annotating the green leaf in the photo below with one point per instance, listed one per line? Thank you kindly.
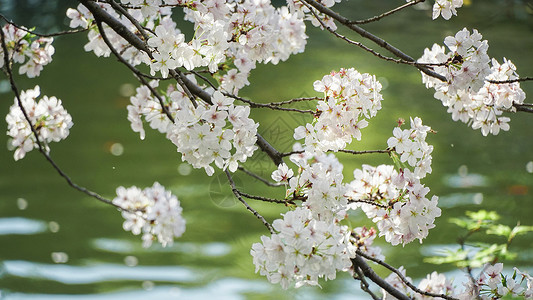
(499, 229)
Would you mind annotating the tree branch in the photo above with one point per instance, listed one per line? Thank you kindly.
(9, 73)
(379, 41)
(134, 40)
(41, 34)
(400, 275)
(390, 12)
(253, 211)
(358, 262)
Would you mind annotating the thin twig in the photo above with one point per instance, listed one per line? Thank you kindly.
(390, 12)
(295, 100)
(273, 107)
(136, 42)
(129, 17)
(265, 199)
(370, 202)
(364, 283)
(379, 41)
(511, 80)
(248, 207)
(135, 71)
(263, 180)
(41, 34)
(203, 78)
(402, 277)
(365, 151)
(9, 73)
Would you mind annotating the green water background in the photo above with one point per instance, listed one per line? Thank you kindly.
(212, 258)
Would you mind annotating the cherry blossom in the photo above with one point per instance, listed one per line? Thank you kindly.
(154, 212)
(47, 116)
(349, 99)
(25, 49)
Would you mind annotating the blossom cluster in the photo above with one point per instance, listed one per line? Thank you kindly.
(221, 133)
(25, 49)
(363, 238)
(395, 201)
(47, 116)
(490, 284)
(468, 93)
(154, 212)
(230, 34)
(433, 283)
(349, 99)
(412, 147)
(445, 8)
(320, 184)
(302, 250)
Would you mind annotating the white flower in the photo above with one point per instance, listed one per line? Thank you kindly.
(154, 212)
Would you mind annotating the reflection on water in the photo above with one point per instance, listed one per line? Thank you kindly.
(21, 226)
(96, 273)
(225, 289)
(459, 199)
(121, 246)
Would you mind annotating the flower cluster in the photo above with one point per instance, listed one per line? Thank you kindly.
(396, 202)
(154, 212)
(238, 34)
(221, 133)
(412, 147)
(349, 98)
(47, 116)
(82, 17)
(445, 8)
(494, 285)
(25, 49)
(467, 95)
(433, 283)
(320, 184)
(303, 250)
(363, 238)
(490, 284)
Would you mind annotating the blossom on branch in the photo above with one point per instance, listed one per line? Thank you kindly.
(23, 48)
(47, 116)
(349, 99)
(469, 94)
(154, 212)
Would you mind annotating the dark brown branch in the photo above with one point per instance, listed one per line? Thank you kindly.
(135, 71)
(358, 262)
(400, 275)
(129, 17)
(511, 80)
(364, 284)
(121, 30)
(9, 73)
(101, 15)
(248, 207)
(526, 107)
(42, 34)
(390, 12)
(379, 41)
